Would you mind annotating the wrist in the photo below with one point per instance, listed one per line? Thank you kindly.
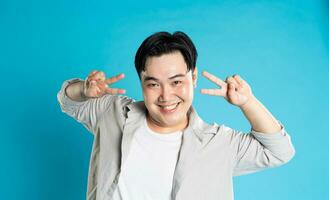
(251, 102)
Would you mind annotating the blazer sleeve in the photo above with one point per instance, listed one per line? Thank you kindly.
(256, 151)
(90, 111)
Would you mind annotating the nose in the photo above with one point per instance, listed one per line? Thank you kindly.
(166, 93)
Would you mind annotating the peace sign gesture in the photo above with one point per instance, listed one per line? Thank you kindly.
(235, 90)
(96, 84)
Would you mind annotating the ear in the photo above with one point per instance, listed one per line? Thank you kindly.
(195, 76)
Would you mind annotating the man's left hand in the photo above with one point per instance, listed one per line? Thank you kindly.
(234, 89)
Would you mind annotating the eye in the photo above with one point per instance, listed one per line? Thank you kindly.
(176, 83)
(152, 85)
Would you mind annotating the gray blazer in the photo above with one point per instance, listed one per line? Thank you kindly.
(210, 155)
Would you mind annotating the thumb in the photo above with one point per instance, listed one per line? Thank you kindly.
(231, 93)
(231, 87)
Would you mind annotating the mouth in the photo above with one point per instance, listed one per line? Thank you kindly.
(169, 108)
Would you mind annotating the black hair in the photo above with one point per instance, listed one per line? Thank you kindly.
(161, 43)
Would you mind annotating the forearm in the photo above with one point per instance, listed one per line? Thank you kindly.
(75, 91)
(259, 117)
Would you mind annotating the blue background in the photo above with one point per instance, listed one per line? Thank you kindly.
(280, 47)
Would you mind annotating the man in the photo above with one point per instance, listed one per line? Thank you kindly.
(159, 148)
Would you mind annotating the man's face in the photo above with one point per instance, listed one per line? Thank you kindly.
(167, 90)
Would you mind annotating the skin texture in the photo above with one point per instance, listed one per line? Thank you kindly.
(166, 81)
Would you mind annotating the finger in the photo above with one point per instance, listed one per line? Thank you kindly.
(214, 92)
(231, 86)
(92, 75)
(87, 80)
(91, 85)
(92, 72)
(231, 80)
(115, 91)
(231, 89)
(103, 86)
(213, 78)
(232, 95)
(93, 91)
(242, 81)
(96, 76)
(239, 79)
(114, 79)
(100, 76)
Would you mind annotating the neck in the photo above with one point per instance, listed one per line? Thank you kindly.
(156, 127)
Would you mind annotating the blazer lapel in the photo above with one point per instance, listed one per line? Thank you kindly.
(195, 137)
(135, 117)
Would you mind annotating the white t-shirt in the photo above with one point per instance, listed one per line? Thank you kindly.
(148, 171)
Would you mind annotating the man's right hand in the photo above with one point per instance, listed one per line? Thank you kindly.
(96, 85)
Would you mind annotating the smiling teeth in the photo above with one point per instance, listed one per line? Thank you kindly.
(169, 107)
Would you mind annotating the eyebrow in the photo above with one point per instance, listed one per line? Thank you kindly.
(149, 78)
